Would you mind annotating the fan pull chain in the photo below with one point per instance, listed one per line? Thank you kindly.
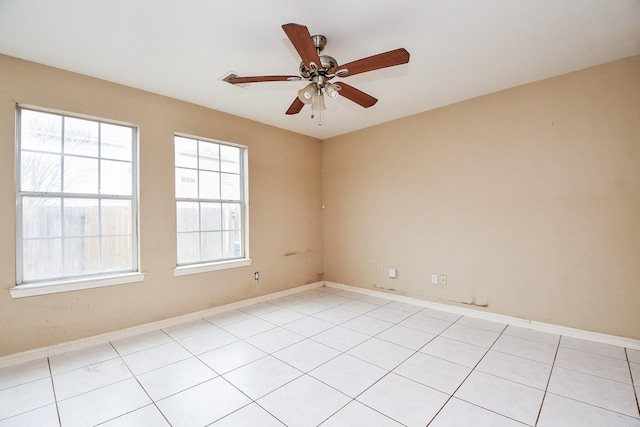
(319, 117)
(319, 104)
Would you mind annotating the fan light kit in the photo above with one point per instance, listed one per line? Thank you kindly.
(320, 69)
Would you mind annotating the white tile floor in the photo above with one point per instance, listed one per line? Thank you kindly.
(332, 358)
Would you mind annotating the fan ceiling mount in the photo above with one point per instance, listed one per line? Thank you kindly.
(319, 69)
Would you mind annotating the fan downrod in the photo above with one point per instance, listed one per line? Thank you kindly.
(319, 42)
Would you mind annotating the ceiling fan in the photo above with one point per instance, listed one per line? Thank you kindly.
(319, 69)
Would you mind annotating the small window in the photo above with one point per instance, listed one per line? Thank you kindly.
(76, 207)
(210, 201)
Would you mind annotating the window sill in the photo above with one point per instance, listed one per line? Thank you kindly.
(73, 285)
(212, 266)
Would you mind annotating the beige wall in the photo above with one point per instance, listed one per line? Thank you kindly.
(527, 199)
(285, 211)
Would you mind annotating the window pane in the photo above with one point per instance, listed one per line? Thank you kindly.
(40, 172)
(116, 217)
(80, 137)
(188, 248)
(230, 187)
(209, 155)
(211, 216)
(41, 259)
(231, 216)
(80, 175)
(116, 178)
(186, 183)
(41, 217)
(81, 217)
(231, 244)
(40, 131)
(67, 229)
(187, 216)
(116, 142)
(209, 185)
(209, 173)
(117, 253)
(211, 246)
(230, 159)
(186, 152)
(81, 255)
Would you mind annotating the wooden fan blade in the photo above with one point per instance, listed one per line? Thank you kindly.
(258, 79)
(356, 95)
(375, 62)
(295, 107)
(301, 40)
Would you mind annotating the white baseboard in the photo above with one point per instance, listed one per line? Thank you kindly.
(515, 321)
(38, 353)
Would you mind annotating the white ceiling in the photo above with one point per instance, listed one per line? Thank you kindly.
(459, 49)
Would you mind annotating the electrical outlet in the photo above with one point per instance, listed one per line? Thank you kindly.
(434, 279)
(256, 275)
(443, 279)
(392, 273)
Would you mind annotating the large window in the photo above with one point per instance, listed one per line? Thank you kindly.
(76, 206)
(210, 201)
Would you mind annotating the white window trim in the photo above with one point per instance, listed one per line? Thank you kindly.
(54, 287)
(203, 267)
(185, 270)
(79, 283)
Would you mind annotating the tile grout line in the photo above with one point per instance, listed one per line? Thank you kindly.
(141, 386)
(337, 410)
(595, 373)
(546, 389)
(53, 386)
(251, 400)
(468, 375)
(451, 395)
(260, 406)
(633, 386)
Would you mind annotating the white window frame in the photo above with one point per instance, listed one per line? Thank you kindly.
(73, 282)
(244, 260)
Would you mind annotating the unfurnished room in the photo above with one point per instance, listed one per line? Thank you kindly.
(288, 213)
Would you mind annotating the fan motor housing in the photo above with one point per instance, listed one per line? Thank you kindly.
(328, 66)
